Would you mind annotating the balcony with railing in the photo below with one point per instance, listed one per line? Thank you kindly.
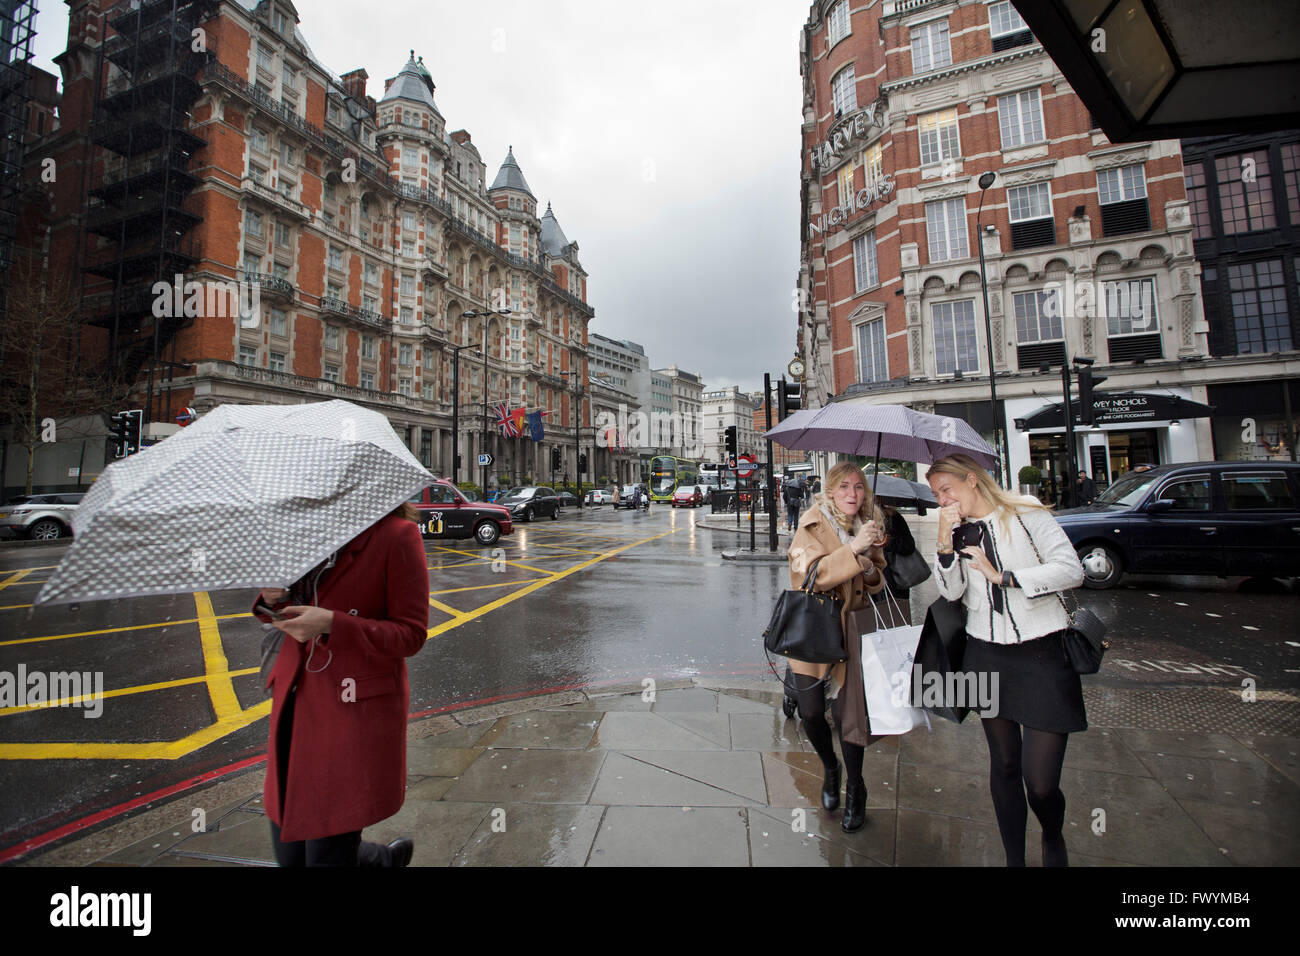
(475, 236)
(276, 198)
(231, 371)
(425, 195)
(376, 171)
(334, 306)
(367, 317)
(271, 286)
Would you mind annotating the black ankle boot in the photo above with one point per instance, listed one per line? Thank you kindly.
(855, 806)
(831, 788)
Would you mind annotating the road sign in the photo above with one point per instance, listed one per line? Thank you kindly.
(745, 465)
(485, 460)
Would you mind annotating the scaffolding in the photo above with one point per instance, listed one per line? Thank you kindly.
(147, 84)
(17, 33)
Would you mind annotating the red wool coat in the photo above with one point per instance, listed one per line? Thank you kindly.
(347, 755)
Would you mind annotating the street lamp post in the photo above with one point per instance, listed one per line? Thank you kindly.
(577, 431)
(455, 412)
(483, 314)
(985, 181)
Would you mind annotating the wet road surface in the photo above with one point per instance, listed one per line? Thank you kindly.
(598, 597)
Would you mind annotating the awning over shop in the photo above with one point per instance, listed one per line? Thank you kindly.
(1114, 408)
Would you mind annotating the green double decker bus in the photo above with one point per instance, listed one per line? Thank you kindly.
(667, 473)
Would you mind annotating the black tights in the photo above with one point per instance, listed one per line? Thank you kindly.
(1030, 766)
(811, 695)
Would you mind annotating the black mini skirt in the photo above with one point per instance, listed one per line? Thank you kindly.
(1036, 686)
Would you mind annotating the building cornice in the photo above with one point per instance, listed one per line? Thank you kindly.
(967, 66)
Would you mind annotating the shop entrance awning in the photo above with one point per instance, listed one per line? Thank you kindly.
(1114, 408)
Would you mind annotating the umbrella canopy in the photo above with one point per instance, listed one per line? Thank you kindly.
(249, 496)
(885, 431)
(896, 490)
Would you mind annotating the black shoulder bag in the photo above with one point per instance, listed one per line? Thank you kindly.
(806, 625)
(1084, 638)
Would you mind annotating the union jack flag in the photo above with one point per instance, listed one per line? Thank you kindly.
(507, 421)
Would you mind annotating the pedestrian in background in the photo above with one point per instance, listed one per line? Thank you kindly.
(844, 530)
(336, 753)
(1085, 489)
(899, 543)
(794, 494)
(989, 548)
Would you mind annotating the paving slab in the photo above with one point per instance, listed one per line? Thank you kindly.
(1281, 753)
(240, 836)
(671, 836)
(772, 731)
(627, 731)
(738, 772)
(439, 828)
(1143, 823)
(550, 730)
(627, 781)
(694, 700)
(429, 760)
(528, 776)
(1249, 782)
(530, 834)
(1252, 836)
(776, 840)
(931, 839)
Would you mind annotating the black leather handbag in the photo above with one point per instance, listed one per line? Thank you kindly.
(940, 651)
(1085, 637)
(806, 624)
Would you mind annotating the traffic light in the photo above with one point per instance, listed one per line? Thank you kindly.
(788, 399)
(124, 432)
(731, 440)
(555, 459)
(582, 463)
(1087, 380)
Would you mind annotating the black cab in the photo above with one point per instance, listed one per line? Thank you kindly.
(1225, 518)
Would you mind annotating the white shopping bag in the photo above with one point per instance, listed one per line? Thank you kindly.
(887, 657)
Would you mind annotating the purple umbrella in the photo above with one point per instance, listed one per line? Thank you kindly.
(894, 431)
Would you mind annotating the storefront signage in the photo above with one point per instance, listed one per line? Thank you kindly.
(851, 130)
(1121, 407)
(839, 215)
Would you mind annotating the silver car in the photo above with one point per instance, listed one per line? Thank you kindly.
(42, 517)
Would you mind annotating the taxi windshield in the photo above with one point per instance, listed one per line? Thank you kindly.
(1128, 490)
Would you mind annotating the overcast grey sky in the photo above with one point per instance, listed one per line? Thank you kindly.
(666, 136)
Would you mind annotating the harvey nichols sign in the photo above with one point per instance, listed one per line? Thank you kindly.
(846, 134)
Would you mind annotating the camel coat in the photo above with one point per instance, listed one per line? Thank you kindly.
(848, 573)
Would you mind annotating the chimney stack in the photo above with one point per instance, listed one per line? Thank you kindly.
(355, 84)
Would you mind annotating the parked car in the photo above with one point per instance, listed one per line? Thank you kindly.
(41, 517)
(626, 497)
(532, 501)
(688, 496)
(1238, 518)
(445, 512)
(599, 496)
(568, 499)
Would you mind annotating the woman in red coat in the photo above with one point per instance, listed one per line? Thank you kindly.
(336, 757)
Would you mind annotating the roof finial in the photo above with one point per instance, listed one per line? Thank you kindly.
(412, 54)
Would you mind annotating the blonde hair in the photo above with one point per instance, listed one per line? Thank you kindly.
(1004, 502)
(867, 511)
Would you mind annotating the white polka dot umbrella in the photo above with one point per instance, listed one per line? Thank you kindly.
(249, 496)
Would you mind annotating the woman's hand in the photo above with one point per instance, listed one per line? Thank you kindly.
(303, 623)
(979, 561)
(949, 518)
(869, 537)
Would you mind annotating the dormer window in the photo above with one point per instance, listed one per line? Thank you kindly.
(283, 25)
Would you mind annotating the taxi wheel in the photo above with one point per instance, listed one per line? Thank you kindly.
(1102, 566)
(487, 533)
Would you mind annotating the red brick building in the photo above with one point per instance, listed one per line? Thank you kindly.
(1087, 244)
(207, 141)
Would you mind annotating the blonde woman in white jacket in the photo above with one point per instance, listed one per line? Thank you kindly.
(1007, 560)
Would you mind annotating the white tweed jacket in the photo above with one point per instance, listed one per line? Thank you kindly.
(1031, 610)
